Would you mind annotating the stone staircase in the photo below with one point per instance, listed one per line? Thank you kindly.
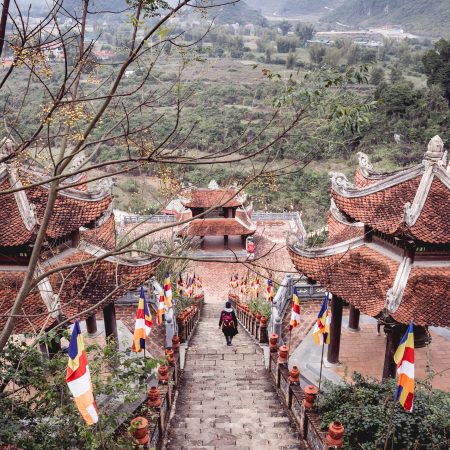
(226, 399)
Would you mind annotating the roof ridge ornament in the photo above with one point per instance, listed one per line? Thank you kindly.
(394, 294)
(340, 182)
(435, 150)
(364, 163)
(26, 209)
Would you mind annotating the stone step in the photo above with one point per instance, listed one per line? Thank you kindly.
(226, 400)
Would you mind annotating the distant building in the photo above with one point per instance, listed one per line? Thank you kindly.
(227, 216)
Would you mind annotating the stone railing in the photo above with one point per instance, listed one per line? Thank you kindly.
(149, 425)
(255, 324)
(188, 319)
(283, 299)
(157, 218)
(300, 402)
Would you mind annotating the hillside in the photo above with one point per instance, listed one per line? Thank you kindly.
(288, 8)
(422, 17)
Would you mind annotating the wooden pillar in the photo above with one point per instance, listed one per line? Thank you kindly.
(225, 241)
(393, 337)
(243, 239)
(335, 330)
(91, 325)
(353, 319)
(109, 316)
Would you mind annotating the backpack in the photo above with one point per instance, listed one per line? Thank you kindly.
(227, 319)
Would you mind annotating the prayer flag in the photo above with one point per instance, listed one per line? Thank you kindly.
(295, 314)
(179, 284)
(78, 377)
(321, 332)
(161, 310)
(168, 291)
(269, 290)
(404, 358)
(143, 324)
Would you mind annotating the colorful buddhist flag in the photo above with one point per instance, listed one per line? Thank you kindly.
(295, 313)
(179, 284)
(78, 377)
(143, 324)
(168, 291)
(404, 358)
(321, 332)
(269, 290)
(161, 310)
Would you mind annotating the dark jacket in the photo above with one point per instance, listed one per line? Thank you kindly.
(229, 331)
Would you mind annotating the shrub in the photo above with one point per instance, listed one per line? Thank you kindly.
(371, 416)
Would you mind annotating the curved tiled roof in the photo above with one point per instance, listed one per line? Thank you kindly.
(425, 299)
(69, 213)
(208, 198)
(73, 208)
(414, 201)
(13, 229)
(217, 227)
(103, 235)
(78, 288)
(358, 273)
(339, 229)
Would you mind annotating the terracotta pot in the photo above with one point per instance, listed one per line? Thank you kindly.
(263, 321)
(310, 396)
(283, 354)
(258, 316)
(175, 342)
(163, 373)
(139, 427)
(154, 397)
(170, 357)
(294, 375)
(335, 434)
(273, 342)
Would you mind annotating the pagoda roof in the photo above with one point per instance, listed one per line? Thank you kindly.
(73, 208)
(217, 227)
(210, 198)
(377, 275)
(413, 201)
(379, 281)
(68, 292)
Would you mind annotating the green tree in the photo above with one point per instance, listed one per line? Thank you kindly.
(304, 31)
(291, 60)
(377, 75)
(285, 27)
(437, 66)
(316, 53)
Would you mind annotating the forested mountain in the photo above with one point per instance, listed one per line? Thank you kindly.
(423, 17)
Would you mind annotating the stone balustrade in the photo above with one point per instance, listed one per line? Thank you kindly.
(188, 319)
(255, 325)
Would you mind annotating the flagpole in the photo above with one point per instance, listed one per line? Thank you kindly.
(321, 366)
(289, 352)
(101, 434)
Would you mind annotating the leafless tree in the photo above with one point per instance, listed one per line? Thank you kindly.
(89, 107)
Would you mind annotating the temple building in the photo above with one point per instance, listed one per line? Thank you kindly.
(388, 250)
(81, 229)
(220, 211)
